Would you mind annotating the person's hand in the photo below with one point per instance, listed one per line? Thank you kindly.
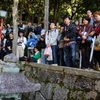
(61, 29)
(83, 41)
(84, 37)
(31, 55)
(66, 39)
(41, 39)
(0, 47)
(28, 36)
(77, 28)
(92, 33)
(18, 42)
(49, 45)
(9, 48)
(30, 33)
(22, 40)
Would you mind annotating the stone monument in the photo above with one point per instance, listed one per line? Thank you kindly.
(12, 83)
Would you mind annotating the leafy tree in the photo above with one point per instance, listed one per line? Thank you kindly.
(58, 8)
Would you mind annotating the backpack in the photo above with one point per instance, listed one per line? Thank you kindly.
(60, 37)
(24, 58)
(97, 44)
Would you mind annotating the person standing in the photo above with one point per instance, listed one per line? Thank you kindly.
(38, 29)
(21, 26)
(60, 47)
(9, 43)
(85, 44)
(29, 28)
(51, 41)
(8, 30)
(69, 34)
(42, 45)
(4, 30)
(96, 31)
(21, 42)
(92, 19)
(31, 42)
(2, 47)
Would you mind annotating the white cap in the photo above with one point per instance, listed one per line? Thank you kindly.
(43, 32)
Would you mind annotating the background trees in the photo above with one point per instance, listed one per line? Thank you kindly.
(33, 10)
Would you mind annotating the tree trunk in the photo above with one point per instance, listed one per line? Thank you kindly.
(15, 25)
(55, 14)
(46, 17)
(56, 10)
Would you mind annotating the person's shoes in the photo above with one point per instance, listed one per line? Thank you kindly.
(98, 69)
(91, 69)
(86, 69)
(54, 64)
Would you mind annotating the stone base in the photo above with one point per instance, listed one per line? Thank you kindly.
(15, 96)
(10, 70)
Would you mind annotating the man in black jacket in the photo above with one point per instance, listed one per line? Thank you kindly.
(69, 34)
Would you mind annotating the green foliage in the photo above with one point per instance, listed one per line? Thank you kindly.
(58, 8)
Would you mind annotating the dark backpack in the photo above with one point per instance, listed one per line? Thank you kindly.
(24, 58)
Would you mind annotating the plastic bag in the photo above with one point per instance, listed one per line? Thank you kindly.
(48, 51)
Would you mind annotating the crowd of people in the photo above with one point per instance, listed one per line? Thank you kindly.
(57, 46)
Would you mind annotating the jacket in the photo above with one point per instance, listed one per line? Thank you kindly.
(51, 36)
(37, 55)
(32, 39)
(37, 30)
(22, 43)
(70, 32)
(88, 29)
(41, 43)
(97, 30)
(92, 20)
(9, 44)
(3, 44)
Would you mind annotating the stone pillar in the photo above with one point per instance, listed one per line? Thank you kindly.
(46, 17)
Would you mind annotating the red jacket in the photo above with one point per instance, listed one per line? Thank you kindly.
(0, 32)
(97, 30)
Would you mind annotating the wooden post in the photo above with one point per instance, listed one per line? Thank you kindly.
(15, 24)
(46, 17)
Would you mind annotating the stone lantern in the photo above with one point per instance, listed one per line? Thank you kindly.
(3, 13)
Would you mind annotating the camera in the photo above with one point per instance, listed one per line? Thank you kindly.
(30, 36)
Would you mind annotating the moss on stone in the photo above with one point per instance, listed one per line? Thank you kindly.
(91, 99)
(46, 81)
(61, 84)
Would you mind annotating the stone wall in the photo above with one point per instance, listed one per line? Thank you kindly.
(61, 83)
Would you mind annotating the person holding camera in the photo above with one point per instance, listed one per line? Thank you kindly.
(21, 42)
(32, 40)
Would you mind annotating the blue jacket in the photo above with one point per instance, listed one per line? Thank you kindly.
(38, 30)
(33, 39)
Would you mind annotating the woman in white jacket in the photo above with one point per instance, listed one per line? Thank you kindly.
(21, 42)
(51, 41)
